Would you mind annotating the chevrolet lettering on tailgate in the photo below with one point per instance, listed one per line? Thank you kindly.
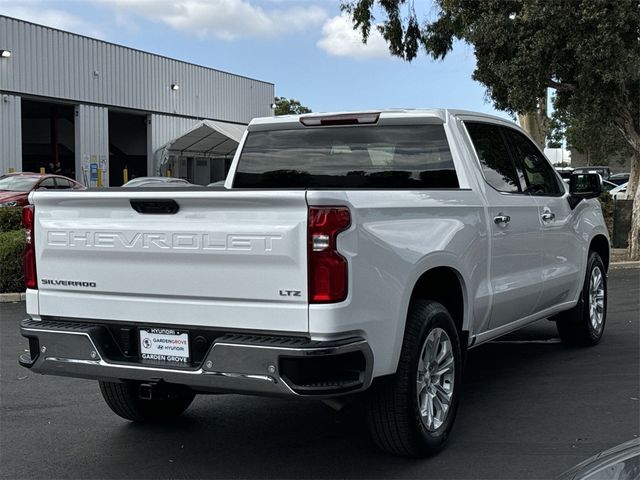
(148, 240)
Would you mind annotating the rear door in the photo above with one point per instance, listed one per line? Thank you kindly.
(222, 260)
(516, 251)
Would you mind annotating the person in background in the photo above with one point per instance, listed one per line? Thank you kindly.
(55, 167)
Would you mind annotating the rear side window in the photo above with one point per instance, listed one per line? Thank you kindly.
(497, 166)
(412, 156)
(47, 183)
(63, 183)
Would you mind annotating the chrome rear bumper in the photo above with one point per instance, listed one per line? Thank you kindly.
(253, 364)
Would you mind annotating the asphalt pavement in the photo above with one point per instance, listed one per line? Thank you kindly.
(531, 408)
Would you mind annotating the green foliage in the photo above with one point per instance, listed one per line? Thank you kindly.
(587, 50)
(606, 204)
(598, 141)
(556, 134)
(289, 106)
(10, 219)
(11, 247)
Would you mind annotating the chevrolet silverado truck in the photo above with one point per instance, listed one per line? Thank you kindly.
(348, 255)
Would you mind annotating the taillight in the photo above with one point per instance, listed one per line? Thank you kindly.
(328, 270)
(29, 255)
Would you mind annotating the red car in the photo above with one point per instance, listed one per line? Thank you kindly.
(15, 187)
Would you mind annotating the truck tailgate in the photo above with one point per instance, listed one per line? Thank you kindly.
(230, 259)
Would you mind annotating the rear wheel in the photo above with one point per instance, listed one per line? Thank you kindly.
(412, 412)
(124, 400)
(584, 324)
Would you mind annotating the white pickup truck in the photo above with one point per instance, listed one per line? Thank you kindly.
(348, 254)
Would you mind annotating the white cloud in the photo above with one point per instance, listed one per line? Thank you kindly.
(226, 19)
(341, 40)
(34, 12)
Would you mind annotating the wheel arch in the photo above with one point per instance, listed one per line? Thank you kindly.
(445, 285)
(600, 244)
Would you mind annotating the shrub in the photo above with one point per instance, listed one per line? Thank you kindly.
(11, 247)
(606, 202)
(10, 219)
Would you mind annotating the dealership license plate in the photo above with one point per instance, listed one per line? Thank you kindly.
(164, 345)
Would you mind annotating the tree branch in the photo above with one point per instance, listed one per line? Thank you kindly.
(624, 123)
(561, 87)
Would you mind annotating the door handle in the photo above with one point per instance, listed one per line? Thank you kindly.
(548, 216)
(504, 219)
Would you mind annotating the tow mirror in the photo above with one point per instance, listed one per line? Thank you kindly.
(583, 186)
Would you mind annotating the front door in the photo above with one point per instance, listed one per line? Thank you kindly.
(561, 258)
(516, 238)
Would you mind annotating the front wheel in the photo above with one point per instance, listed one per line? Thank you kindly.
(412, 412)
(584, 324)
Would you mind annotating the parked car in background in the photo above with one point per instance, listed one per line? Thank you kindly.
(607, 186)
(16, 187)
(157, 182)
(604, 172)
(619, 178)
(620, 192)
(219, 183)
(618, 463)
(564, 172)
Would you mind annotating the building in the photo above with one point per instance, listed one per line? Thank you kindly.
(107, 112)
(559, 157)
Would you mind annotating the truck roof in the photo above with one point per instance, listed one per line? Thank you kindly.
(441, 113)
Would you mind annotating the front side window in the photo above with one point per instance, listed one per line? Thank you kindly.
(497, 166)
(372, 156)
(539, 176)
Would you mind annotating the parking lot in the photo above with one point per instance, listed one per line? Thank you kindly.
(531, 408)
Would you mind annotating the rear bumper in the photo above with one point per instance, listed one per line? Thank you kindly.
(253, 364)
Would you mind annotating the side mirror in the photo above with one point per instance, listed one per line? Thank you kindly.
(583, 186)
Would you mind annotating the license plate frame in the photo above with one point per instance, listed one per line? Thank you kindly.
(163, 345)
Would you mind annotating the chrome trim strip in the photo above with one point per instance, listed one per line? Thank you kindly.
(72, 360)
(311, 350)
(265, 378)
(102, 363)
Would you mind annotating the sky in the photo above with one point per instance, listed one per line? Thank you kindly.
(307, 48)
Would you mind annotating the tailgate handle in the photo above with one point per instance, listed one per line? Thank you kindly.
(155, 207)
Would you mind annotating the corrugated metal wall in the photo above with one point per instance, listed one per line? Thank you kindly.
(53, 63)
(92, 143)
(10, 134)
(160, 130)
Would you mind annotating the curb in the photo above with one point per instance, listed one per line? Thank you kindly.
(12, 297)
(625, 264)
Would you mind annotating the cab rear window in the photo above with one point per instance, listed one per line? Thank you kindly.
(373, 156)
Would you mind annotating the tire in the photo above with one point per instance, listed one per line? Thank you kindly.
(124, 400)
(584, 324)
(392, 405)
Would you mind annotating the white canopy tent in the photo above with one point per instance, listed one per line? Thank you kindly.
(205, 142)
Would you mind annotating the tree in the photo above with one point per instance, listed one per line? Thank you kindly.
(557, 133)
(588, 51)
(289, 106)
(602, 144)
